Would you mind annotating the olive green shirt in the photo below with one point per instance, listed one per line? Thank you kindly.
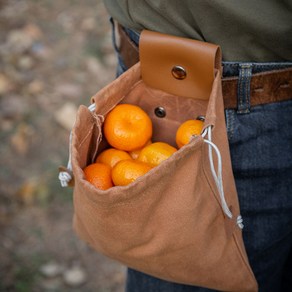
(246, 30)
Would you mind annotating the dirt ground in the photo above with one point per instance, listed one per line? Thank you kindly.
(54, 55)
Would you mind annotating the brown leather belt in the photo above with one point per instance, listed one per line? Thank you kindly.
(265, 87)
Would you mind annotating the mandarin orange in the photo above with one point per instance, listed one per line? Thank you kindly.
(112, 156)
(156, 152)
(99, 175)
(127, 127)
(127, 171)
(135, 153)
(186, 130)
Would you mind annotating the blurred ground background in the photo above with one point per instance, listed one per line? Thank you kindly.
(54, 55)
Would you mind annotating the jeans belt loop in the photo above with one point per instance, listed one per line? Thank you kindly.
(243, 88)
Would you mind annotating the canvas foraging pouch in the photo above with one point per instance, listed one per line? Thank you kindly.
(180, 221)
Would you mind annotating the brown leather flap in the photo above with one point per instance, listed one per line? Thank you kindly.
(178, 65)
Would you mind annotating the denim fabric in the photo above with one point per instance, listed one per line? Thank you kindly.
(260, 140)
(261, 152)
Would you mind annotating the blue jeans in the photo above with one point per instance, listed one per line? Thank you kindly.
(260, 140)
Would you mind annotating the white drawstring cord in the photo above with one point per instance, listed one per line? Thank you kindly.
(218, 176)
(92, 107)
(239, 222)
(66, 176)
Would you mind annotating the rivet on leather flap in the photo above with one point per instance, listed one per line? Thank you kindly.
(178, 65)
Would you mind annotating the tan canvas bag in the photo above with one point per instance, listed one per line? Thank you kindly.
(181, 221)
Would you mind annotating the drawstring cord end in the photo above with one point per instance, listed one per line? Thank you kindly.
(239, 222)
(66, 177)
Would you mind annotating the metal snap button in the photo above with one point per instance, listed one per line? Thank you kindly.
(160, 112)
(201, 118)
(179, 72)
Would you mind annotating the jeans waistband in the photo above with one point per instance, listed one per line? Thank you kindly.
(229, 68)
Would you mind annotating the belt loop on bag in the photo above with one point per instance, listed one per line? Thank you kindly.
(243, 88)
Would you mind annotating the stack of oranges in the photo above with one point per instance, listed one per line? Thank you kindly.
(128, 130)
